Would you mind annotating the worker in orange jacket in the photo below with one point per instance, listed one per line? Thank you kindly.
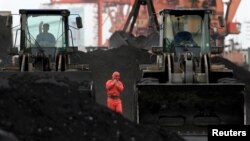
(114, 88)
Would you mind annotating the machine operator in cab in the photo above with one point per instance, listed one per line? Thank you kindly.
(45, 38)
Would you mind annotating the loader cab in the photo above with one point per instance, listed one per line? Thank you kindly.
(185, 30)
(184, 91)
(34, 24)
(46, 37)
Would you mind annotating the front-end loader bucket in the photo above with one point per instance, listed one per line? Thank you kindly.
(81, 80)
(121, 38)
(189, 108)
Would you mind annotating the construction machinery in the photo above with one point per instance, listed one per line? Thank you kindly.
(145, 39)
(39, 57)
(118, 12)
(184, 90)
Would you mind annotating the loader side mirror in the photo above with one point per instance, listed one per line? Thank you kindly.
(217, 50)
(79, 22)
(221, 21)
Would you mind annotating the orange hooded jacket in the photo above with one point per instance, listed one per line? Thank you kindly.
(112, 88)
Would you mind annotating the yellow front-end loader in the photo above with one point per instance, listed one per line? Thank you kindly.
(184, 90)
(46, 50)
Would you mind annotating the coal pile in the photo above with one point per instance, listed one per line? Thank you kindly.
(36, 110)
(243, 76)
(240, 73)
(121, 38)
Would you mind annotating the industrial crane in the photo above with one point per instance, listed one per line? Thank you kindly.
(217, 7)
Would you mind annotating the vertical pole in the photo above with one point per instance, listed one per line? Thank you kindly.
(100, 22)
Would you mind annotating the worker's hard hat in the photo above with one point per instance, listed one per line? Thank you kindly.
(116, 75)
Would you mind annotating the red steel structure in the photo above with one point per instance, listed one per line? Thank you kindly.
(115, 10)
(102, 4)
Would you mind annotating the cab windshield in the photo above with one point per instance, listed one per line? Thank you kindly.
(45, 31)
(183, 30)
